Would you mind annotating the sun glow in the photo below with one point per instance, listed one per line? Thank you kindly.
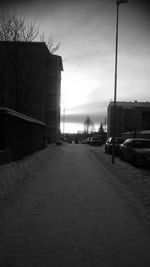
(75, 88)
(71, 127)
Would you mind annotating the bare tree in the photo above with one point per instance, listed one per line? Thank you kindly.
(50, 43)
(14, 27)
(87, 124)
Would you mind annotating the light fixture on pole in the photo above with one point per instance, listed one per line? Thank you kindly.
(115, 83)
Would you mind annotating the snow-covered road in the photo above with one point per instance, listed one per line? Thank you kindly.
(70, 215)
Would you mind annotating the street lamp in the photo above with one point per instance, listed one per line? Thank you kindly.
(118, 2)
(64, 122)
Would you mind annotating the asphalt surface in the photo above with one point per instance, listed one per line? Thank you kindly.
(68, 214)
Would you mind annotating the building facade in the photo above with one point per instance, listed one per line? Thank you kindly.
(52, 99)
(130, 116)
(30, 79)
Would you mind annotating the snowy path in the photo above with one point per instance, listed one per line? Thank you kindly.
(70, 216)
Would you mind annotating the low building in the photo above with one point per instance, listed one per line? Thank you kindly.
(130, 116)
(20, 135)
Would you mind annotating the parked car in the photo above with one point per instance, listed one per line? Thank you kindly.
(88, 140)
(109, 145)
(136, 151)
(96, 140)
(83, 141)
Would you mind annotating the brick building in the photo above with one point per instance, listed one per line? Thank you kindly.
(30, 78)
(130, 116)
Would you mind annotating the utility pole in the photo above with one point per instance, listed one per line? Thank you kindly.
(64, 122)
(115, 83)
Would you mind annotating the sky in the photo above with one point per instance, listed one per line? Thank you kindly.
(86, 31)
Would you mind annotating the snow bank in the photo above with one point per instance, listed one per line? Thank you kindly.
(136, 180)
(15, 172)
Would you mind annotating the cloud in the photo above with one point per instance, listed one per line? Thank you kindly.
(96, 110)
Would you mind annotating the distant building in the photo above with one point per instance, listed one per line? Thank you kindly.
(30, 78)
(130, 116)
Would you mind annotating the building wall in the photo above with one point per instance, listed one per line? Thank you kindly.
(30, 82)
(20, 134)
(23, 83)
(130, 116)
(52, 111)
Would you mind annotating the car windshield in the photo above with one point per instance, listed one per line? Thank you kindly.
(119, 140)
(141, 143)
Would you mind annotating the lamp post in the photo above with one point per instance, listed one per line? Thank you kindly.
(115, 83)
(64, 122)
